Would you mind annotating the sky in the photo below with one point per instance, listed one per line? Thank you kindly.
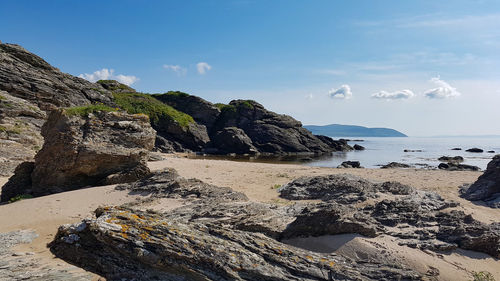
(425, 68)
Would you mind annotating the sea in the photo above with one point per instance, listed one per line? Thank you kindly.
(426, 151)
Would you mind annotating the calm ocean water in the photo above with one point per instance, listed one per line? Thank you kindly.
(380, 151)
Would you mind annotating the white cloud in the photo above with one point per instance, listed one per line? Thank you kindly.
(203, 67)
(108, 74)
(344, 92)
(176, 68)
(309, 96)
(397, 95)
(443, 91)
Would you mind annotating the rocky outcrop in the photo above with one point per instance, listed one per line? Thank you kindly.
(395, 165)
(221, 235)
(94, 149)
(454, 166)
(345, 189)
(30, 87)
(270, 132)
(487, 186)
(202, 111)
(475, 150)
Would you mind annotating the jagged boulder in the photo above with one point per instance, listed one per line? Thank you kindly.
(487, 186)
(90, 148)
(233, 140)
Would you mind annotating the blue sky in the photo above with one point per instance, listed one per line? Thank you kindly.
(422, 67)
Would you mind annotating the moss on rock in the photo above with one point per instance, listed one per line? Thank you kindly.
(135, 103)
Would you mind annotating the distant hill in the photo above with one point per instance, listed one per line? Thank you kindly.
(337, 130)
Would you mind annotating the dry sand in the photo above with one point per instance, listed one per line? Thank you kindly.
(259, 181)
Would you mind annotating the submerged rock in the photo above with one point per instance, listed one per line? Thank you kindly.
(455, 159)
(475, 149)
(487, 186)
(394, 165)
(350, 164)
(454, 166)
(358, 147)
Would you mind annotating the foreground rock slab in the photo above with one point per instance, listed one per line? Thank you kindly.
(220, 235)
(96, 149)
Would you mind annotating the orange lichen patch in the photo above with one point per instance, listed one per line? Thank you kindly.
(124, 235)
(144, 236)
(322, 260)
(125, 227)
(309, 258)
(148, 228)
(332, 263)
(134, 216)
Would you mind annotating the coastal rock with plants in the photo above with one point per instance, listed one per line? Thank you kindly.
(86, 146)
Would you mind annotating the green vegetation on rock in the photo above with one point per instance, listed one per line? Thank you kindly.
(482, 276)
(17, 129)
(248, 104)
(2, 97)
(20, 197)
(86, 110)
(175, 93)
(135, 103)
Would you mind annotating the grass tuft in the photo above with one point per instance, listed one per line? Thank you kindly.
(135, 103)
(20, 197)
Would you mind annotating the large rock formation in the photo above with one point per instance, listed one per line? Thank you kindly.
(221, 235)
(95, 148)
(27, 76)
(270, 132)
(30, 87)
(487, 186)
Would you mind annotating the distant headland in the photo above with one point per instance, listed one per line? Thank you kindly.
(338, 130)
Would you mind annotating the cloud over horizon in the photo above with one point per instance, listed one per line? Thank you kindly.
(203, 67)
(176, 68)
(397, 95)
(443, 91)
(344, 92)
(108, 74)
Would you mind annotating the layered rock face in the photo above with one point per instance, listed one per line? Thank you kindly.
(20, 126)
(29, 88)
(220, 235)
(96, 149)
(487, 186)
(27, 76)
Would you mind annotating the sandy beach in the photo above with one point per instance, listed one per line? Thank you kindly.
(259, 181)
